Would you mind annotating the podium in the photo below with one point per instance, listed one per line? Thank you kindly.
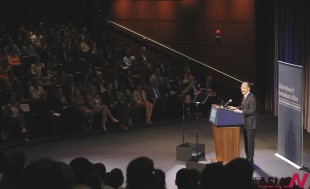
(226, 133)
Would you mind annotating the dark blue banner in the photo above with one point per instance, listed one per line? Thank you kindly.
(290, 137)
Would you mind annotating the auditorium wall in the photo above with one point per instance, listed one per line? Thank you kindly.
(189, 27)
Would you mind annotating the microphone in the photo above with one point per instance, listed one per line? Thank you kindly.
(229, 101)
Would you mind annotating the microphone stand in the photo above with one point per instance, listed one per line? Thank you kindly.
(185, 90)
(200, 98)
(183, 117)
(197, 120)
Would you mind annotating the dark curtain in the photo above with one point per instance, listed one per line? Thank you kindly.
(292, 45)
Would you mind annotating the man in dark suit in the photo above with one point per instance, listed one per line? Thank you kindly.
(248, 108)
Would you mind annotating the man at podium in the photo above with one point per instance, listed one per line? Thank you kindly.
(248, 109)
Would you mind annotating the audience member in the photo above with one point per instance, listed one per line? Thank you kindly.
(45, 78)
(159, 179)
(51, 89)
(164, 66)
(194, 175)
(185, 72)
(68, 116)
(5, 67)
(94, 180)
(35, 89)
(53, 64)
(243, 179)
(129, 79)
(82, 169)
(214, 176)
(37, 66)
(115, 80)
(182, 179)
(96, 105)
(21, 92)
(28, 49)
(140, 99)
(3, 164)
(111, 98)
(169, 98)
(13, 58)
(128, 59)
(43, 51)
(101, 169)
(115, 178)
(13, 170)
(100, 84)
(12, 47)
(35, 38)
(160, 78)
(69, 86)
(191, 90)
(85, 41)
(41, 117)
(48, 174)
(79, 101)
(139, 173)
(15, 120)
(153, 95)
(125, 103)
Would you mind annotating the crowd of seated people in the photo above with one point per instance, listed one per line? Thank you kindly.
(141, 173)
(68, 75)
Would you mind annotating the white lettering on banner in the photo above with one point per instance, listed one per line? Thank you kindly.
(288, 98)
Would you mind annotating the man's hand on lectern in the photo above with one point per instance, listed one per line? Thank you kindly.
(238, 111)
(231, 107)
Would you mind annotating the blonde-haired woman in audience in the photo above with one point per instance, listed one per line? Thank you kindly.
(97, 107)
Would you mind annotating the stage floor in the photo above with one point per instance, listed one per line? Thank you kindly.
(116, 149)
